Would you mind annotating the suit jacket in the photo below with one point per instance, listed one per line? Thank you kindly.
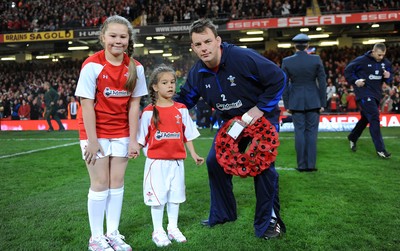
(306, 89)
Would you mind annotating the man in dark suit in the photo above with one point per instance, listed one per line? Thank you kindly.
(304, 98)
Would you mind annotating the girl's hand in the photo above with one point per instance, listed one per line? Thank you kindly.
(133, 150)
(199, 160)
(91, 150)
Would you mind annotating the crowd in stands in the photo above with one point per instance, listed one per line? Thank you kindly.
(30, 15)
(332, 6)
(21, 84)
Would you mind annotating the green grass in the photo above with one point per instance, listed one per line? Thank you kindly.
(351, 203)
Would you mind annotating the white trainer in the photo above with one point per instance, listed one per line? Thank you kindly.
(160, 238)
(99, 243)
(116, 241)
(176, 235)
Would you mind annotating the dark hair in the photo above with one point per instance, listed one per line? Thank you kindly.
(132, 74)
(201, 25)
(153, 80)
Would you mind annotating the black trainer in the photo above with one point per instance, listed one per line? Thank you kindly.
(273, 230)
(384, 154)
(353, 145)
(205, 223)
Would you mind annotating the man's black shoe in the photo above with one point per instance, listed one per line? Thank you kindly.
(353, 145)
(273, 230)
(312, 169)
(384, 154)
(205, 223)
(301, 169)
(50, 130)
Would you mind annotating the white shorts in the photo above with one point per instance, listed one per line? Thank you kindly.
(117, 147)
(164, 181)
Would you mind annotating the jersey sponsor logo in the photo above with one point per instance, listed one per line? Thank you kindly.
(374, 77)
(167, 135)
(225, 107)
(232, 80)
(115, 93)
(208, 86)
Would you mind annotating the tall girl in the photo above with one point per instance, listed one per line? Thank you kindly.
(110, 87)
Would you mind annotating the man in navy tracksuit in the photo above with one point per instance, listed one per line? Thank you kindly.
(367, 74)
(236, 81)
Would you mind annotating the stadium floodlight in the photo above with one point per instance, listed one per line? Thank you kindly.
(159, 37)
(324, 35)
(251, 39)
(43, 57)
(8, 59)
(156, 51)
(254, 32)
(328, 43)
(167, 54)
(78, 48)
(374, 41)
(284, 45)
(138, 45)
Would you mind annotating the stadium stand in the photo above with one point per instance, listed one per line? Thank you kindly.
(23, 81)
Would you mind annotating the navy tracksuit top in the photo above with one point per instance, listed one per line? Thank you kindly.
(366, 67)
(244, 79)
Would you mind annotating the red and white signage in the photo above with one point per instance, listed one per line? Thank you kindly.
(36, 125)
(334, 19)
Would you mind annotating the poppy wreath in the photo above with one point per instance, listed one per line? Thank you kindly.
(261, 141)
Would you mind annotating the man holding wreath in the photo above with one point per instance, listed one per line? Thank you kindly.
(244, 86)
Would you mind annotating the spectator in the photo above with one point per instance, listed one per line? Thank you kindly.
(61, 109)
(203, 114)
(351, 102)
(15, 108)
(35, 109)
(1, 107)
(24, 111)
(73, 107)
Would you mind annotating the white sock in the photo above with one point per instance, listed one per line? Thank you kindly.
(157, 214)
(113, 209)
(96, 208)
(173, 212)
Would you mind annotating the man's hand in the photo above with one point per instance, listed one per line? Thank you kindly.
(360, 82)
(386, 74)
(252, 115)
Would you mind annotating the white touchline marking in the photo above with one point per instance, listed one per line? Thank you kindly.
(37, 150)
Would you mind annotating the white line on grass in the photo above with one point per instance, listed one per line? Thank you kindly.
(37, 150)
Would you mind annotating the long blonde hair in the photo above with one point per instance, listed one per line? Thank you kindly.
(132, 74)
(153, 80)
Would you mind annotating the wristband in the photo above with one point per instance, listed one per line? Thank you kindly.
(246, 118)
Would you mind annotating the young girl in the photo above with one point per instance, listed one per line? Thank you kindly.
(165, 126)
(110, 86)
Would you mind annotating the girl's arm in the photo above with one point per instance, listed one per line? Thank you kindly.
(89, 120)
(133, 115)
(199, 160)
